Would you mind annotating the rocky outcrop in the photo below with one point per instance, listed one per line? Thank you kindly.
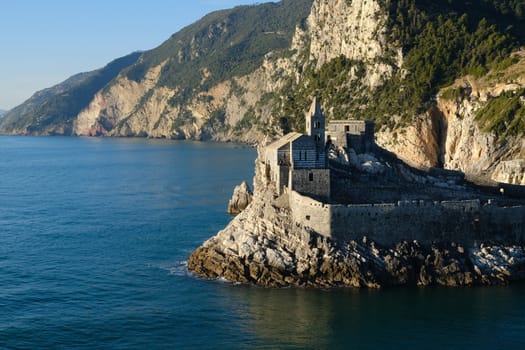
(511, 172)
(242, 197)
(321, 263)
(264, 246)
(354, 29)
(450, 135)
(109, 108)
(470, 148)
(419, 144)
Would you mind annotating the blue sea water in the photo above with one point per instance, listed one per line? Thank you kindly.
(94, 235)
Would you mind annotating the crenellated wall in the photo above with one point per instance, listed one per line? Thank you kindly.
(464, 222)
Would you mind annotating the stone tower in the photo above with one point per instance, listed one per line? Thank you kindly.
(315, 123)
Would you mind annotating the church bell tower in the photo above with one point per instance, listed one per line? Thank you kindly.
(315, 123)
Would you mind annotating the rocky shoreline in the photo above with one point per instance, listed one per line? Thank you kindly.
(264, 246)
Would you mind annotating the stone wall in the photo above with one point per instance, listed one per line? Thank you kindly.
(356, 134)
(465, 222)
(315, 182)
(311, 213)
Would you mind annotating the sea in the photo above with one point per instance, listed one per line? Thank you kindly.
(95, 234)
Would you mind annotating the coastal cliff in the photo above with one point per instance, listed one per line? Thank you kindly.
(265, 246)
(434, 76)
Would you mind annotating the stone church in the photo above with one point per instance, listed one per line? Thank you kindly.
(299, 162)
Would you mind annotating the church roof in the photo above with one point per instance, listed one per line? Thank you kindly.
(284, 140)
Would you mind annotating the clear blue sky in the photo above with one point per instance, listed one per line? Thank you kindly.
(43, 42)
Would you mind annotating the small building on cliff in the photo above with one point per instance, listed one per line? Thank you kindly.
(298, 162)
(356, 134)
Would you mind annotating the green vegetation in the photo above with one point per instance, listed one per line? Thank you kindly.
(454, 93)
(248, 120)
(222, 45)
(504, 115)
(216, 123)
(333, 83)
(184, 118)
(441, 41)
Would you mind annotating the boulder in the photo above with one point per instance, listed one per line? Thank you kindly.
(242, 196)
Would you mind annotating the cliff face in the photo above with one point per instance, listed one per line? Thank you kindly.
(419, 144)
(227, 111)
(356, 30)
(53, 110)
(116, 111)
(248, 73)
(455, 134)
(474, 144)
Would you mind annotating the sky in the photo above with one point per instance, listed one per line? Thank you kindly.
(43, 42)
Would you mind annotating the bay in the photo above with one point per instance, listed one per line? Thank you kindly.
(95, 233)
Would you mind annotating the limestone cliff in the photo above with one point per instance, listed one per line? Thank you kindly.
(473, 143)
(455, 135)
(247, 74)
(104, 115)
(227, 111)
(356, 30)
(225, 98)
(419, 144)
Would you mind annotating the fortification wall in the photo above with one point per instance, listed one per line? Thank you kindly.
(464, 222)
(315, 182)
(309, 212)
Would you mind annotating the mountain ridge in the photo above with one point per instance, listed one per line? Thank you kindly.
(51, 110)
(386, 60)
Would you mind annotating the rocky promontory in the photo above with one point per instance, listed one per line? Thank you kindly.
(264, 246)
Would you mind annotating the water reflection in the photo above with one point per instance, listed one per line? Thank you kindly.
(285, 317)
(434, 317)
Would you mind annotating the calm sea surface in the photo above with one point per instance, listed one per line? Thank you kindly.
(94, 235)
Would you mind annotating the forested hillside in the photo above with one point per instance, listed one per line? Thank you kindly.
(441, 40)
(435, 75)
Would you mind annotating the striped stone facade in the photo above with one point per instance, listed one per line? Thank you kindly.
(298, 161)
